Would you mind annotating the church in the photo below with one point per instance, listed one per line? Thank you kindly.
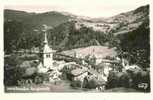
(47, 63)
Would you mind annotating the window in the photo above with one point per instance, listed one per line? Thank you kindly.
(47, 55)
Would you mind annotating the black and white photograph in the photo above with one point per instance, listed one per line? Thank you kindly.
(77, 48)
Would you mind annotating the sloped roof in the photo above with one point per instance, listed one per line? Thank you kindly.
(101, 81)
(97, 51)
(47, 49)
(98, 79)
(93, 72)
(29, 67)
(29, 71)
(40, 65)
(78, 71)
(26, 64)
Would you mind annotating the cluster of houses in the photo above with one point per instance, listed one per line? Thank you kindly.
(82, 73)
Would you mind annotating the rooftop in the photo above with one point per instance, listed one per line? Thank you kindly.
(97, 51)
(78, 71)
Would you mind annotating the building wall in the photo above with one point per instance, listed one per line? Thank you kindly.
(48, 60)
(81, 77)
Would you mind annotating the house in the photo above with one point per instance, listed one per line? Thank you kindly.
(29, 67)
(41, 69)
(127, 66)
(35, 50)
(68, 64)
(25, 64)
(94, 80)
(99, 52)
(29, 63)
(28, 71)
(54, 76)
(79, 74)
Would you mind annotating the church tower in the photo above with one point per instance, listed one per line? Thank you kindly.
(47, 54)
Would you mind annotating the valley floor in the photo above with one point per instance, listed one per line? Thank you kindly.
(63, 86)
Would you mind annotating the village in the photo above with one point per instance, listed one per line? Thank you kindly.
(83, 70)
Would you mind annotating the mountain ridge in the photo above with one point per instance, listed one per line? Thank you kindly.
(30, 24)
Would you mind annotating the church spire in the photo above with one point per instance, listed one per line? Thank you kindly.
(45, 30)
(47, 52)
(45, 40)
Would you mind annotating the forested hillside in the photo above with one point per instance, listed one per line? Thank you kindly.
(128, 31)
(137, 45)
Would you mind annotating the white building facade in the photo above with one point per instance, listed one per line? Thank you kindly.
(47, 54)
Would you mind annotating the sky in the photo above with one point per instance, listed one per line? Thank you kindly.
(90, 8)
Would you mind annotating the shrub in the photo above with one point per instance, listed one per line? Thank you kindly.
(76, 83)
(140, 77)
(12, 76)
(91, 84)
(12, 71)
(112, 80)
(118, 79)
(40, 78)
